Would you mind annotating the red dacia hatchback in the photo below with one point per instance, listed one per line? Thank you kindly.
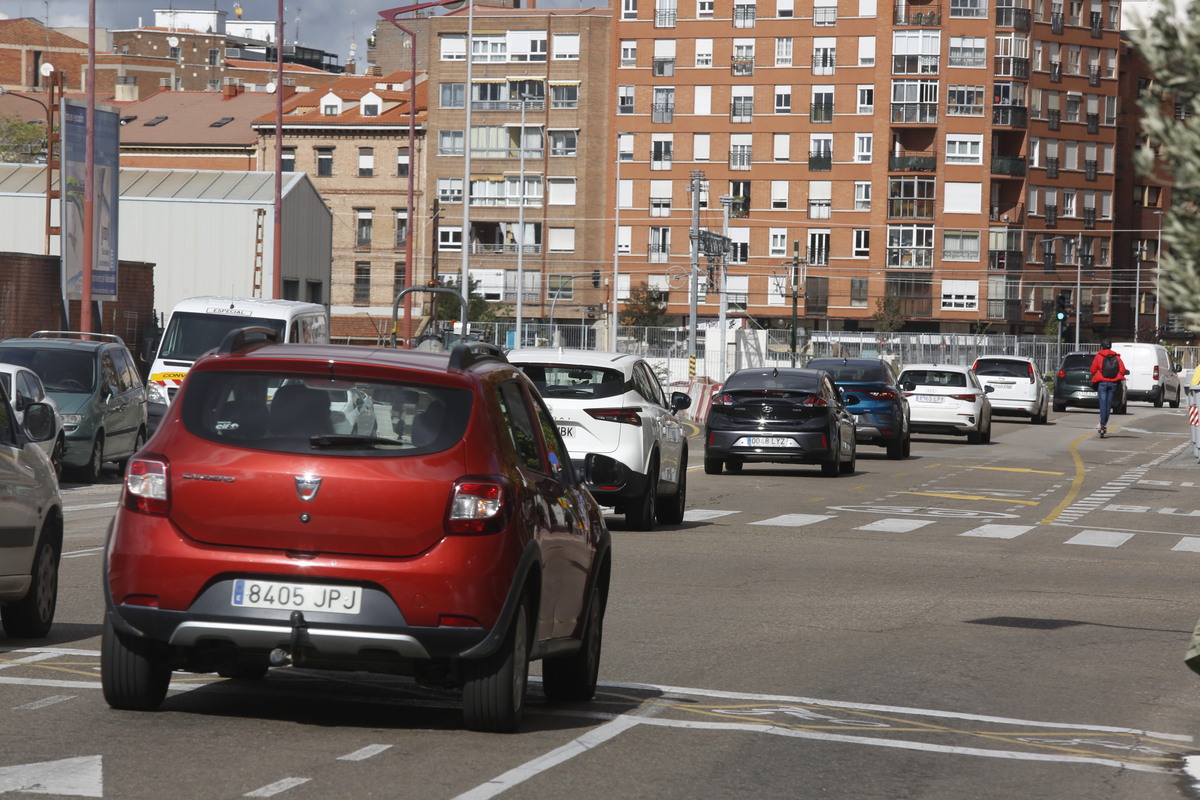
(453, 543)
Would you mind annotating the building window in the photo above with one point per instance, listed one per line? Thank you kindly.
(960, 246)
(863, 146)
(214, 57)
(362, 230)
(450, 143)
(401, 228)
(866, 99)
(783, 51)
(960, 295)
(450, 190)
(910, 246)
(964, 148)
(174, 53)
(778, 242)
(564, 96)
(370, 109)
(862, 243)
(330, 110)
(968, 51)
(624, 99)
(288, 159)
(450, 239)
(362, 283)
(783, 99)
(965, 101)
(399, 278)
(628, 52)
(454, 95)
(324, 161)
(366, 162)
(563, 143)
(859, 292)
(401, 162)
(704, 52)
(661, 153)
(629, 9)
(862, 195)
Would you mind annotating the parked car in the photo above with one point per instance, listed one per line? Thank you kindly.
(94, 382)
(780, 415)
(1152, 377)
(352, 411)
(1073, 385)
(612, 403)
(1017, 386)
(31, 517)
(874, 397)
(947, 399)
(455, 552)
(24, 388)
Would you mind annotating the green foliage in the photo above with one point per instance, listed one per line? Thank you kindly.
(20, 141)
(1169, 42)
(450, 308)
(887, 316)
(644, 308)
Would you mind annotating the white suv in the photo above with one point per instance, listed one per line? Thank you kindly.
(612, 403)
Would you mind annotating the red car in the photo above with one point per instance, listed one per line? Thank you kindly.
(454, 544)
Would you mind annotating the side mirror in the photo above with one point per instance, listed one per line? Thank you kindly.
(987, 389)
(909, 387)
(604, 472)
(852, 400)
(680, 401)
(39, 422)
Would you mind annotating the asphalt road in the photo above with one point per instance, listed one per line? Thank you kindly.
(977, 621)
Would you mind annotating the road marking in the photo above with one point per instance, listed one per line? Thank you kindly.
(1020, 469)
(949, 496)
(365, 752)
(702, 514)
(90, 506)
(793, 520)
(1100, 538)
(894, 525)
(45, 701)
(272, 789)
(1188, 544)
(999, 531)
(71, 777)
(89, 551)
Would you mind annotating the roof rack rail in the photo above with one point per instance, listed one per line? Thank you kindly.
(466, 354)
(241, 338)
(102, 337)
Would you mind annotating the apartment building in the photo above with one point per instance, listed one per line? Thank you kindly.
(948, 162)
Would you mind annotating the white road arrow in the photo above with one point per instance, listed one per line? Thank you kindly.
(73, 777)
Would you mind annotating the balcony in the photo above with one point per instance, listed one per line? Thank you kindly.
(1093, 123)
(665, 17)
(1052, 167)
(1054, 119)
(1096, 24)
(912, 162)
(1089, 170)
(1012, 166)
(1056, 22)
(744, 16)
(914, 113)
(662, 112)
(1093, 76)
(1010, 260)
(911, 208)
(1089, 218)
(1056, 72)
(1015, 18)
(739, 160)
(742, 66)
(1010, 116)
(1050, 213)
(915, 65)
(820, 161)
(926, 16)
(820, 112)
(663, 67)
(1011, 67)
(741, 110)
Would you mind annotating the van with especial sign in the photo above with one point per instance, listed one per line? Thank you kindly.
(199, 324)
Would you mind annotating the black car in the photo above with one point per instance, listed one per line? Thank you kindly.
(793, 416)
(1073, 385)
(873, 394)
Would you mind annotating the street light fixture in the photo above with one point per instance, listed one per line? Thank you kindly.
(1078, 238)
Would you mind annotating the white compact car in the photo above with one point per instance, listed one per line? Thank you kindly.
(613, 404)
(947, 399)
(1017, 386)
(24, 387)
(352, 412)
(1151, 375)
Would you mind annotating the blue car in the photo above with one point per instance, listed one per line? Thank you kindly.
(873, 394)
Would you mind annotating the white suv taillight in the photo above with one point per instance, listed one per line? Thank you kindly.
(146, 486)
(477, 506)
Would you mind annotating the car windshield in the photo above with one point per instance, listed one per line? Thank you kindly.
(572, 381)
(190, 335)
(1002, 367)
(61, 370)
(292, 413)
(933, 377)
(853, 373)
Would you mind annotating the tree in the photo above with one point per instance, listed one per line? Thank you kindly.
(20, 141)
(887, 316)
(644, 308)
(1167, 43)
(450, 308)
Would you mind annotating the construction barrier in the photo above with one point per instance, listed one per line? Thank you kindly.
(1193, 395)
(701, 390)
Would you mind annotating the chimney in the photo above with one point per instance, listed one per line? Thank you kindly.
(232, 88)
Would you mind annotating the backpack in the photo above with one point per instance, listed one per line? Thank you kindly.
(1110, 368)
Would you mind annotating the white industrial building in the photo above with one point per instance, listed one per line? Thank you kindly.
(203, 230)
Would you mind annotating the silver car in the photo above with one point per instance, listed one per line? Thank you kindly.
(613, 404)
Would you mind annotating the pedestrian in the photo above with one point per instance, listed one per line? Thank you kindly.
(1107, 371)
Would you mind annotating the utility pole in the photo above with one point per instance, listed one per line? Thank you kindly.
(795, 292)
(694, 282)
(722, 312)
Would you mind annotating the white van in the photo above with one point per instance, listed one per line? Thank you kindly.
(198, 324)
(1152, 377)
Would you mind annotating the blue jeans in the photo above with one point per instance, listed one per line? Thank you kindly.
(1105, 391)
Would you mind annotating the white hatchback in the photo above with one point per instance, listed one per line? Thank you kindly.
(613, 404)
(947, 399)
(1017, 386)
(24, 387)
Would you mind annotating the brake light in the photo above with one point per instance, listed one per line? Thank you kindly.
(969, 398)
(477, 506)
(881, 394)
(625, 416)
(1032, 374)
(723, 399)
(1156, 372)
(1062, 373)
(975, 366)
(815, 402)
(146, 488)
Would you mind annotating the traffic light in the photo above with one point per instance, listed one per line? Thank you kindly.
(596, 278)
(1060, 308)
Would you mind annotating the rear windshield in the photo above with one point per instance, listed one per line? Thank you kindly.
(61, 370)
(567, 381)
(1002, 367)
(303, 414)
(933, 377)
(190, 335)
(853, 373)
(1081, 361)
(756, 381)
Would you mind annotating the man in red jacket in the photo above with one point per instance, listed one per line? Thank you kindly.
(1107, 371)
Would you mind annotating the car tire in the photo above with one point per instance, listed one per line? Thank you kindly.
(134, 672)
(734, 464)
(572, 679)
(671, 512)
(712, 466)
(31, 616)
(1175, 403)
(494, 686)
(90, 472)
(848, 467)
(57, 454)
(1059, 407)
(907, 450)
(975, 437)
(639, 516)
(895, 449)
(986, 436)
(1158, 398)
(1042, 416)
(832, 467)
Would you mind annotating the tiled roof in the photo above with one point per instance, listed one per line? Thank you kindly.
(27, 32)
(245, 63)
(189, 118)
(305, 108)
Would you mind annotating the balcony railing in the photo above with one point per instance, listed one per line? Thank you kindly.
(1054, 119)
(911, 209)
(1093, 76)
(1050, 213)
(742, 65)
(665, 17)
(1011, 67)
(739, 160)
(1093, 123)
(741, 110)
(1052, 167)
(1089, 218)
(1006, 260)
(1010, 116)
(923, 15)
(1089, 170)
(820, 112)
(1056, 72)
(1096, 26)
(915, 113)
(744, 16)
(662, 112)
(1016, 18)
(820, 161)
(912, 162)
(1014, 166)
(1056, 22)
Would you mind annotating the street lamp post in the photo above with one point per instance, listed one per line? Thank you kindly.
(723, 298)
(51, 104)
(1137, 293)
(1078, 279)
(520, 239)
(1158, 273)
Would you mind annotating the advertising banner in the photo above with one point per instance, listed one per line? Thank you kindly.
(105, 189)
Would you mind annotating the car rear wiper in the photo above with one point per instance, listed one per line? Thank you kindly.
(352, 440)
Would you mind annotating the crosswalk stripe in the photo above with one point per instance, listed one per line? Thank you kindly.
(1100, 538)
(701, 514)
(998, 531)
(893, 525)
(794, 520)
(1188, 544)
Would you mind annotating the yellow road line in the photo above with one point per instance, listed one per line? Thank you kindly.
(1019, 469)
(975, 497)
(1076, 482)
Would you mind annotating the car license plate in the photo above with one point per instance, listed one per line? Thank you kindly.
(1088, 393)
(767, 441)
(566, 432)
(249, 593)
(929, 398)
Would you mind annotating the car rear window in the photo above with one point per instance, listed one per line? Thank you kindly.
(61, 369)
(303, 414)
(853, 373)
(567, 381)
(932, 377)
(1002, 367)
(783, 382)
(1079, 361)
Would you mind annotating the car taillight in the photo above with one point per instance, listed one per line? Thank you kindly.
(1062, 373)
(1032, 374)
(1156, 372)
(146, 488)
(881, 394)
(815, 402)
(975, 367)
(723, 399)
(626, 416)
(477, 506)
(969, 398)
